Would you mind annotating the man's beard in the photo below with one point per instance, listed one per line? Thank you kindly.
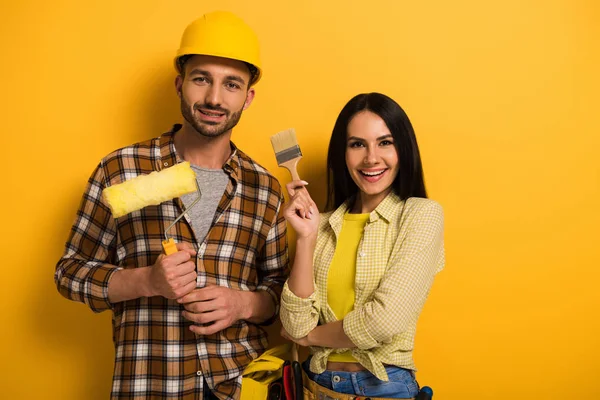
(206, 128)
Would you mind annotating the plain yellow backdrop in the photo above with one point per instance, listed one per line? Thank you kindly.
(504, 99)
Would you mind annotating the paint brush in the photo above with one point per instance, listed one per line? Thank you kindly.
(287, 151)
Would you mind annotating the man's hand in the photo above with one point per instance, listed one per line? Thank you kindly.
(174, 276)
(218, 306)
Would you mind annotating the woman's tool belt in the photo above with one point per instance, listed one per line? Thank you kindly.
(314, 391)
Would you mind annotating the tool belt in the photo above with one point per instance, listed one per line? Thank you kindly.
(314, 391)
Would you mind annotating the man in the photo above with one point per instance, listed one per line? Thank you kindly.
(186, 325)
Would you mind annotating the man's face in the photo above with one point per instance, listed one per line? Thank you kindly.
(213, 93)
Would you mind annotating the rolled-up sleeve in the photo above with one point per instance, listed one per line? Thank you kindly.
(299, 315)
(83, 272)
(398, 300)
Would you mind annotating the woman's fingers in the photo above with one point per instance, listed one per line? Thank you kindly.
(301, 201)
(294, 186)
(313, 207)
(302, 204)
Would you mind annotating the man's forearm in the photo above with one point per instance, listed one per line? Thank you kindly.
(129, 284)
(260, 306)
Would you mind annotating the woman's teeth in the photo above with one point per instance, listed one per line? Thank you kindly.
(372, 173)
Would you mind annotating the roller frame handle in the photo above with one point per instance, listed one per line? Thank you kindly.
(169, 246)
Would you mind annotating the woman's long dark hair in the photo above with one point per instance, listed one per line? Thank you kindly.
(409, 181)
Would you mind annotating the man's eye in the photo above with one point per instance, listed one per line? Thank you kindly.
(200, 79)
(232, 85)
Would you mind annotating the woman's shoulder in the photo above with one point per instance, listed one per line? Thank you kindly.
(418, 210)
(419, 206)
(419, 203)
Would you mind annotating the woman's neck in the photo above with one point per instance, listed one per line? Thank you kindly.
(366, 203)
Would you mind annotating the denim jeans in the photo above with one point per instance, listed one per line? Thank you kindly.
(401, 384)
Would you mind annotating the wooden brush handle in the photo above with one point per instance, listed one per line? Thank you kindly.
(292, 166)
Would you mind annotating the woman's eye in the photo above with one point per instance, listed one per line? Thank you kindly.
(386, 143)
(355, 144)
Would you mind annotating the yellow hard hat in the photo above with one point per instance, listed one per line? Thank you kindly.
(221, 34)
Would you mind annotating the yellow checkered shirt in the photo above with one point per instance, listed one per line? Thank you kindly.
(400, 253)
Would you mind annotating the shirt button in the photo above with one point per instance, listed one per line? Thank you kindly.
(199, 373)
(336, 378)
(362, 254)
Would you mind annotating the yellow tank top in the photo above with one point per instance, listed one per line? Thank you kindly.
(342, 272)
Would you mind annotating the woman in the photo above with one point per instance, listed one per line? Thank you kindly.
(362, 272)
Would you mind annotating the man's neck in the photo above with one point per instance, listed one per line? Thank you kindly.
(200, 150)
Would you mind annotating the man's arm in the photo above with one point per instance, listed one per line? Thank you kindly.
(260, 306)
(85, 274)
(273, 263)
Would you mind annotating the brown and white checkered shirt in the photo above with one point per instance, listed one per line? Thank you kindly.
(157, 356)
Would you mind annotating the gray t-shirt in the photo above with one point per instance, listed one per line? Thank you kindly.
(212, 183)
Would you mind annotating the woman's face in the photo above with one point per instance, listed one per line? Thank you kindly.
(371, 157)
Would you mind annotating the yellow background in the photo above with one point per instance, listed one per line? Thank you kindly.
(504, 99)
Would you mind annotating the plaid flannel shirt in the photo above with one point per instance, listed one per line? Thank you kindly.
(401, 251)
(157, 356)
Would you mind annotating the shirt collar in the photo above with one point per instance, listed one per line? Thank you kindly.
(385, 210)
(169, 156)
(232, 165)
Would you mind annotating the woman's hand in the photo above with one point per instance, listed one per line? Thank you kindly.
(301, 211)
(301, 342)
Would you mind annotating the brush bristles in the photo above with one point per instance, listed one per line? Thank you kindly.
(285, 146)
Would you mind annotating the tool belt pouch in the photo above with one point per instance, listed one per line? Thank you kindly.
(272, 376)
(263, 376)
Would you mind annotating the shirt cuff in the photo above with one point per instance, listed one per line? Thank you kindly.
(267, 289)
(97, 295)
(293, 303)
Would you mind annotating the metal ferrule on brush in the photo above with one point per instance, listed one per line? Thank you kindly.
(288, 154)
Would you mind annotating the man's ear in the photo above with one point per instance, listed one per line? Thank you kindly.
(178, 85)
(249, 98)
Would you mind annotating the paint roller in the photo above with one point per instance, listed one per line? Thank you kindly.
(153, 189)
